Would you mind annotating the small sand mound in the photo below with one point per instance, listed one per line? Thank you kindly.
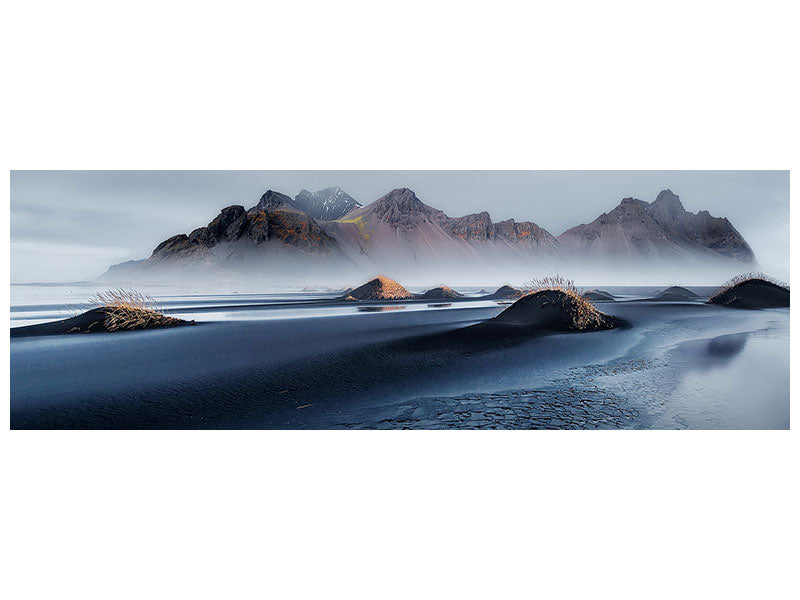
(555, 310)
(598, 295)
(504, 292)
(440, 292)
(381, 288)
(676, 292)
(752, 293)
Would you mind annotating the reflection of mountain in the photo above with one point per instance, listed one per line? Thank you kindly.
(328, 235)
(726, 347)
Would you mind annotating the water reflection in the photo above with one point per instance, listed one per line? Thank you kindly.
(727, 346)
(379, 308)
(711, 354)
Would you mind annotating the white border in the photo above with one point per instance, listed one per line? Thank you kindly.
(613, 85)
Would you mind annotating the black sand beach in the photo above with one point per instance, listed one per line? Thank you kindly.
(675, 365)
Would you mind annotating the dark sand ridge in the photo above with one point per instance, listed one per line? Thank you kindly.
(752, 293)
(534, 315)
(676, 292)
(384, 288)
(555, 310)
(439, 292)
(505, 292)
(672, 294)
(598, 296)
(103, 319)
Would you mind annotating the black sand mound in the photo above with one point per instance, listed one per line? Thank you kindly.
(557, 311)
(503, 293)
(676, 292)
(380, 288)
(96, 321)
(598, 296)
(439, 292)
(753, 293)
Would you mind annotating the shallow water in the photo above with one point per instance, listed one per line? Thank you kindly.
(707, 381)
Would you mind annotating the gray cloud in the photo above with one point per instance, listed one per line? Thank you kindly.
(70, 225)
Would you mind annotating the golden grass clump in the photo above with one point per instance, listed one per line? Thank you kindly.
(551, 282)
(742, 278)
(582, 312)
(127, 310)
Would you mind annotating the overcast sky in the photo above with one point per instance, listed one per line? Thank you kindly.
(71, 225)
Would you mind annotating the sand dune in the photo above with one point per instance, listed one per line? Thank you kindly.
(753, 293)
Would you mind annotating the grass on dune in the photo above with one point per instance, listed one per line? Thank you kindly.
(583, 313)
(744, 277)
(127, 310)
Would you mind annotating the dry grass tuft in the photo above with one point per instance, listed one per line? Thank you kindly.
(553, 282)
(740, 279)
(583, 313)
(127, 310)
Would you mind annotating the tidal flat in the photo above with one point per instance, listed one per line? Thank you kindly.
(304, 360)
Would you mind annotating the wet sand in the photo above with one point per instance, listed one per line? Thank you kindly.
(678, 365)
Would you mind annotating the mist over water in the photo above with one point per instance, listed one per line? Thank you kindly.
(583, 273)
(71, 226)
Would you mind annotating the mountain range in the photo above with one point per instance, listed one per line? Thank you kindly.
(328, 235)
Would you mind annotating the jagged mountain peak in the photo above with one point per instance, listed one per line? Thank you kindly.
(667, 207)
(327, 204)
(401, 206)
(668, 196)
(483, 217)
(332, 190)
(228, 224)
(401, 197)
(472, 226)
(272, 200)
(631, 202)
